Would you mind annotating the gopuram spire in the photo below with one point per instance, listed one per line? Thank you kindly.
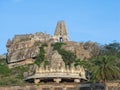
(61, 34)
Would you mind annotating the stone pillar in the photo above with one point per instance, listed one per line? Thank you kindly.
(36, 81)
(106, 86)
(77, 80)
(57, 80)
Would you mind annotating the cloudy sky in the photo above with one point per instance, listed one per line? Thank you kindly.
(86, 20)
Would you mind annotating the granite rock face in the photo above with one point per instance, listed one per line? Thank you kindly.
(25, 46)
(83, 51)
(23, 49)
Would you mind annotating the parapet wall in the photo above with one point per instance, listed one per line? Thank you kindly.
(43, 87)
(65, 86)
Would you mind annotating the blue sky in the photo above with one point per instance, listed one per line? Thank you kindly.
(86, 20)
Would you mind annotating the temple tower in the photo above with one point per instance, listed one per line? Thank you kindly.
(61, 34)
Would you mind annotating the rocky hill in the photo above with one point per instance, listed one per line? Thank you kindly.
(23, 49)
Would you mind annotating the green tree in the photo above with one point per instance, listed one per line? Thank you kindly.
(83, 63)
(104, 68)
(68, 56)
(112, 49)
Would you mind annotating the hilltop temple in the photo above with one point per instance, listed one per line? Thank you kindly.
(23, 49)
(56, 70)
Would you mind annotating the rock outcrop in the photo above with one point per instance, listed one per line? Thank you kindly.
(25, 46)
(83, 51)
(23, 49)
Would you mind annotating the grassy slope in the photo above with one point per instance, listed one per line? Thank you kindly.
(12, 76)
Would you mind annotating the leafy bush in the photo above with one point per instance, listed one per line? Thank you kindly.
(67, 56)
(12, 76)
(44, 45)
(57, 45)
(46, 62)
(41, 55)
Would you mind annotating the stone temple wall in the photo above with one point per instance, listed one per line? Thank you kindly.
(43, 87)
(65, 86)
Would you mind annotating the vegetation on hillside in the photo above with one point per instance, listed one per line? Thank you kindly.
(106, 66)
(102, 68)
(12, 76)
(41, 55)
(68, 57)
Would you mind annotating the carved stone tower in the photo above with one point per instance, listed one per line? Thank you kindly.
(61, 34)
(57, 62)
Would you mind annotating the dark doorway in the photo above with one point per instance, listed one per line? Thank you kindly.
(61, 39)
